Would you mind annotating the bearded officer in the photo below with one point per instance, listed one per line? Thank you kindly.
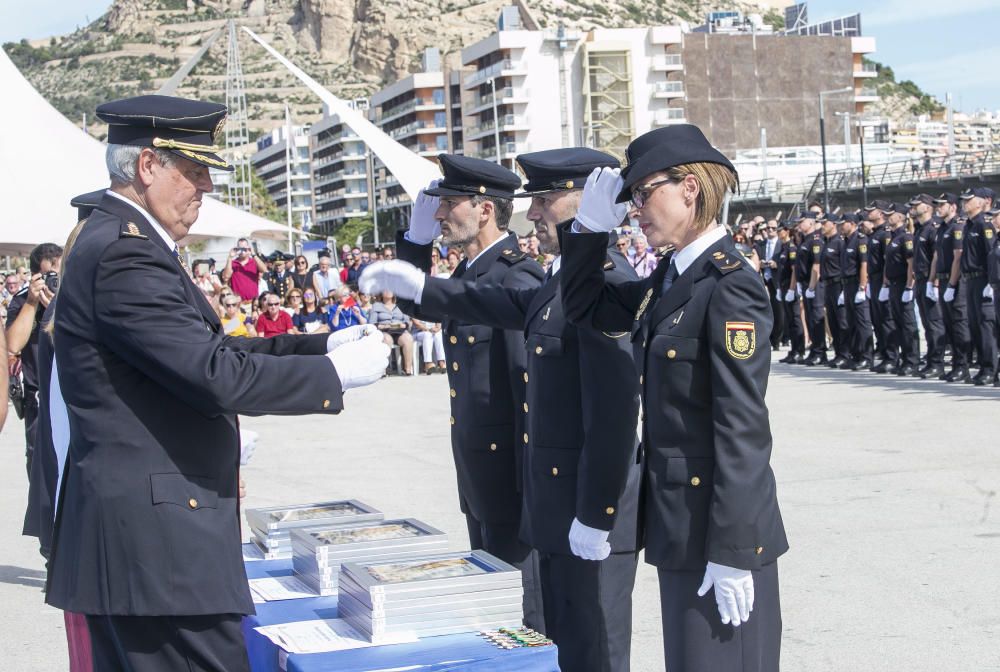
(147, 536)
(581, 477)
(471, 208)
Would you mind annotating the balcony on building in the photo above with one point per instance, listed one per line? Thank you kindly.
(670, 89)
(508, 122)
(667, 63)
(672, 115)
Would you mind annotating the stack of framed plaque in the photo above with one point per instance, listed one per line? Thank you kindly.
(317, 553)
(431, 595)
(270, 526)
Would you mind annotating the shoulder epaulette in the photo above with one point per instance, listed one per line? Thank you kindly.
(513, 256)
(726, 263)
(130, 230)
(608, 264)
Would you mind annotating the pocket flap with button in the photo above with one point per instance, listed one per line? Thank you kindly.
(469, 334)
(555, 462)
(540, 345)
(675, 348)
(695, 472)
(190, 492)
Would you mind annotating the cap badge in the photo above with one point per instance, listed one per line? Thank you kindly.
(482, 190)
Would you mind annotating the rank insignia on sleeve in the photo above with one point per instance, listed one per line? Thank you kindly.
(645, 302)
(718, 255)
(741, 339)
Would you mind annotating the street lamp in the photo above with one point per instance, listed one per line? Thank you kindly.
(822, 139)
(496, 118)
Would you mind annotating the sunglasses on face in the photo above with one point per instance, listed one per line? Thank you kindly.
(300, 263)
(308, 295)
(641, 195)
(272, 304)
(230, 304)
(622, 244)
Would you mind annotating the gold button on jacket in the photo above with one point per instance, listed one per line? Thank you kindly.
(193, 503)
(610, 510)
(695, 481)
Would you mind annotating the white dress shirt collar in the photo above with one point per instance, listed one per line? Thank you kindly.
(683, 259)
(485, 249)
(171, 245)
(556, 263)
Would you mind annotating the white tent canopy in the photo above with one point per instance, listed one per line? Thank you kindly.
(47, 161)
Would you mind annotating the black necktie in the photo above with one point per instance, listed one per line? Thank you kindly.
(670, 278)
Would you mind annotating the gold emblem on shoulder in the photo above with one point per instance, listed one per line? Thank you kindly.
(133, 229)
(645, 302)
(741, 339)
(718, 255)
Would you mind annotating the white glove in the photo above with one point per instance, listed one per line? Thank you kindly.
(587, 542)
(789, 295)
(840, 299)
(868, 291)
(883, 294)
(399, 277)
(361, 362)
(860, 296)
(598, 211)
(424, 228)
(931, 292)
(988, 292)
(733, 592)
(810, 293)
(949, 295)
(907, 295)
(355, 333)
(248, 444)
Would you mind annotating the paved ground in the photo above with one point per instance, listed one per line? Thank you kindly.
(888, 489)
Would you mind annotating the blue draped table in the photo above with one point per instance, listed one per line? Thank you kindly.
(467, 652)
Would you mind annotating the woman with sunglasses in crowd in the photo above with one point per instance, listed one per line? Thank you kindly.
(293, 302)
(310, 319)
(301, 277)
(234, 321)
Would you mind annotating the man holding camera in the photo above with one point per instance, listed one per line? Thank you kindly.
(22, 330)
(243, 270)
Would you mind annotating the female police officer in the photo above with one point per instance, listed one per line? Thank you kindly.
(711, 514)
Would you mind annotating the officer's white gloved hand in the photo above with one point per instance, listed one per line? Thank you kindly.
(588, 543)
(248, 444)
(598, 211)
(988, 292)
(907, 295)
(399, 277)
(840, 299)
(931, 292)
(789, 295)
(949, 295)
(883, 294)
(810, 293)
(860, 296)
(424, 228)
(355, 333)
(361, 362)
(733, 592)
(868, 291)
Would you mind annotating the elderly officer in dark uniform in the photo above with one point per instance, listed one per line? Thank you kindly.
(855, 271)
(979, 241)
(790, 303)
(886, 347)
(948, 272)
(700, 324)
(925, 289)
(898, 282)
(147, 536)
(471, 207)
(581, 476)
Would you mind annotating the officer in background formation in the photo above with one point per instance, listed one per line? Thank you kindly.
(993, 268)
(854, 269)
(925, 289)
(471, 209)
(951, 286)
(810, 284)
(899, 282)
(582, 473)
(831, 262)
(979, 241)
(790, 303)
(879, 238)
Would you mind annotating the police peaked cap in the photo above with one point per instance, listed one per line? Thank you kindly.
(980, 192)
(947, 197)
(85, 203)
(188, 128)
(466, 176)
(664, 148)
(921, 198)
(561, 169)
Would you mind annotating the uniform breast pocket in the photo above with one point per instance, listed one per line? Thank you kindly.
(184, 490)
(678, 360)
(540, 345)
(555, 466)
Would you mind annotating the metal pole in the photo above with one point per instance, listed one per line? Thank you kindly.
(950, 116)
(822, 143)
(288, 173)
(864, 171)
(763, 157)
(496, 119)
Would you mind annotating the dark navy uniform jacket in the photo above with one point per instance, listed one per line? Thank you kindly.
(704, 356)
(810, 250)
(148, 521)
(486, 368)
(923, 248)
(897, 253)
(878, 242)
(786, 261)
(855, 253)
(949, 240)
(978, 243)
(832, 258)
(582, 408)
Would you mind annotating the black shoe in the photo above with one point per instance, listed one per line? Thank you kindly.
(984, 377)
(815, 360)
(959, 375)
(788, 359)
(861, 365)
(837, 362)
(847, 365)
(799, 359)
(774, 346)
(885, 366)
(932, 371)
(906, 370)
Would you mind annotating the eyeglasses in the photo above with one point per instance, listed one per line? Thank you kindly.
(772, 228)
(230, 304)
(300, 263)
(271, 304)
(308, 295)
(642, 194)
(621, 244)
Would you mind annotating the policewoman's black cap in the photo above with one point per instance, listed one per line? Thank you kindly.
(187, 128)
(947, 197)
(664, 148)
(561, 169)
(466, 176)
(85, 203)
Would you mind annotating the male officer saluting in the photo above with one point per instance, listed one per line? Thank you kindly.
(147, 538)
(898, 283)
(581, 477)
(979, 242)
(471, 207)
(948, 269)
(926, 292)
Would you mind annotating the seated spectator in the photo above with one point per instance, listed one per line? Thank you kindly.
(220, 298)
(438, 267)
(310, 319)
(365, 304)
(622, 245)
(365, 260)
(431, 340)
(352, 270)
(325, 278)
(452, 260)
(348, 262)
(643, 259)
(274, 321)
(343, 312)
(301, 277)
(388, 254)
(293, 302)
(234, 321)
(394, 325)
(209, 284)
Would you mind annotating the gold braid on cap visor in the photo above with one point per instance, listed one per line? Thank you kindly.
(192, 151)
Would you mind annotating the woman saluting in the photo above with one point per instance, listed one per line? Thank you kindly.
(711, 513)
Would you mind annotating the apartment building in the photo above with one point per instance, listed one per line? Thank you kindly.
(271, 161)
(340, 174)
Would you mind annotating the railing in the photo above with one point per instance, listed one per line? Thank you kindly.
(866, 72)
(505, 121)
(490, 154)
(668, 87)
(487, 99)
(917, 169)
(863, 93)
(411, 128)
(408, 106)
(492, 71)
(669, 115)
(665, 60)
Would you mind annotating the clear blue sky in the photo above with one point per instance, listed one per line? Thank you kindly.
(942, 45)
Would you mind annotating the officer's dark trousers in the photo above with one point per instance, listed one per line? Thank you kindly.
(501, 540)
(859, 323)
(933, 323)
(778, 330)
(588, 609)
(694, 638)
(211, 643)
(956, 324)
(906, 324)
(982, 323)
(836, 317)
(793, 326)
(815, 321)
(30, 425)
(885, 347)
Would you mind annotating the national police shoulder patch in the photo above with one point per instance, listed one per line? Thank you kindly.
(741, 339)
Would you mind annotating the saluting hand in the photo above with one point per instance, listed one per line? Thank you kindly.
(399, 277)
(598, 211)
(424, 227)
